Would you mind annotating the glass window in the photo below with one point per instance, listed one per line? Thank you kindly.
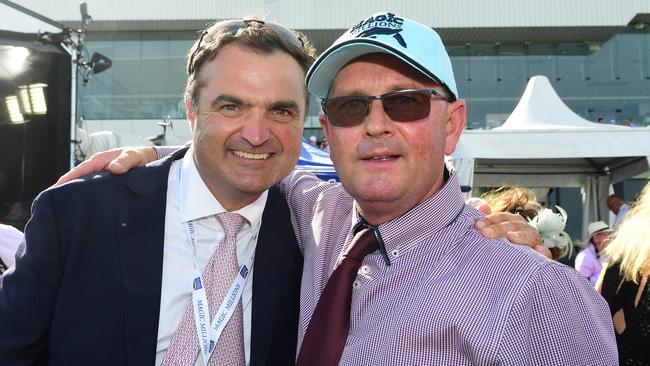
(146, 80)
(611, 79)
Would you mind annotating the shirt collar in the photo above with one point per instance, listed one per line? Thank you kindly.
(196, 200)
(403, 233)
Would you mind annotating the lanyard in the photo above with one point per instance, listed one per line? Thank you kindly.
(209, 332)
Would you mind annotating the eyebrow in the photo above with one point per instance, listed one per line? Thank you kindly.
(227, 98)
(285, 104)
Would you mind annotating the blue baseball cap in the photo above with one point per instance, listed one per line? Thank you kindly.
(414, 43)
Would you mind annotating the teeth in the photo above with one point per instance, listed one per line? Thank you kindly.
(245, 155)
(380, 158)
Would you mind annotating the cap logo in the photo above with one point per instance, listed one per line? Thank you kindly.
(385, 25)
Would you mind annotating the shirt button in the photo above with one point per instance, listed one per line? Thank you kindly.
(364, 270)
(395, 253)
(356, 284)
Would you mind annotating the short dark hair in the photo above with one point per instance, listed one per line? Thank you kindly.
(254, 34)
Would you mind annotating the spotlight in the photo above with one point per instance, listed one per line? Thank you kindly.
(14, 109)
(99, 63)
(37, 97)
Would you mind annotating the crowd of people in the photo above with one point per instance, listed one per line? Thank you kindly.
(390, 266)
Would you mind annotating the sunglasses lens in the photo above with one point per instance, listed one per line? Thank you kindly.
(407, 106)
(400, 106)
(346, 111)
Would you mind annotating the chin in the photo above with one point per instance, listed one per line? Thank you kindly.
(255, 186)
(371, 194)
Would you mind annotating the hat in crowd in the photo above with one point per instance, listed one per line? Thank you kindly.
(312, 138)
(414, 43)
(596, 227)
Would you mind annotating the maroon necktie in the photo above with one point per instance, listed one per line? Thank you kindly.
(328, 329)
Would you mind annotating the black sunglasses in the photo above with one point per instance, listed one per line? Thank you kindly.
(232, 26)
(401, 106)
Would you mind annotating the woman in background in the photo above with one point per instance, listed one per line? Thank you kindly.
(624, 283)
(549, 225)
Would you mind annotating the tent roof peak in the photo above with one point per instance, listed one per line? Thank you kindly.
(540, 108)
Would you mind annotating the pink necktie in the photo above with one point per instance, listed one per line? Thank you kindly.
(221, 270)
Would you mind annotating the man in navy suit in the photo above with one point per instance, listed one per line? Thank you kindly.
(105, 278)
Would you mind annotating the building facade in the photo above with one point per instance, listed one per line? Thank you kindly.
(596, 53)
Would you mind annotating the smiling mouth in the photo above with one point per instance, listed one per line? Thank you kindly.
(381, 158)
(247, 155)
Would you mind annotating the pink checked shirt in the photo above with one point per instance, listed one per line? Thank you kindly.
(450, 296)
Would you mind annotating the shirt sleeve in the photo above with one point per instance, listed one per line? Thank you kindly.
(558, 319)
(302, 191)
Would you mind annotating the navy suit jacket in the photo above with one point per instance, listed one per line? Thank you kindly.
(86, 291)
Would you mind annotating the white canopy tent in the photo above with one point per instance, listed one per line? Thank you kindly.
(545, 144)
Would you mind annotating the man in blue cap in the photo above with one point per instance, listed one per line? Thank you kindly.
(435, 291)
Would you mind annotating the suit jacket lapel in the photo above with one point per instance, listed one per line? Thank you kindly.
(274, 246)
(141, 228)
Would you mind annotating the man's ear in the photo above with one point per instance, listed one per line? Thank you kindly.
(323, 123)
(191, 116)
(456, 120)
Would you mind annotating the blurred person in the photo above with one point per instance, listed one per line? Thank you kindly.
(132, 269)
(625, 284)
(516, 200)
(548, 224)
(313, 141)
(324, 145)
(10, 239)
(417, 218)
(589, 261)
(618, 207)
(629, 122)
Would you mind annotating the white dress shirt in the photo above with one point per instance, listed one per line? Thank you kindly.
(10, 239)
(190, 199)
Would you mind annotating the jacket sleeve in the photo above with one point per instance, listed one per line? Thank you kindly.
(28, 292)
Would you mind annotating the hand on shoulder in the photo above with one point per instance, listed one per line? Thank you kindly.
(117, 161)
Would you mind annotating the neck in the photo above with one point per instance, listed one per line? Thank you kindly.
(375, 215)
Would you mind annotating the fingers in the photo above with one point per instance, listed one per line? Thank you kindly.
(526, 235)
(96, 163)
(543, 251)
(131, 158)
(497, 218)
(486, 209)
(512, 226)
